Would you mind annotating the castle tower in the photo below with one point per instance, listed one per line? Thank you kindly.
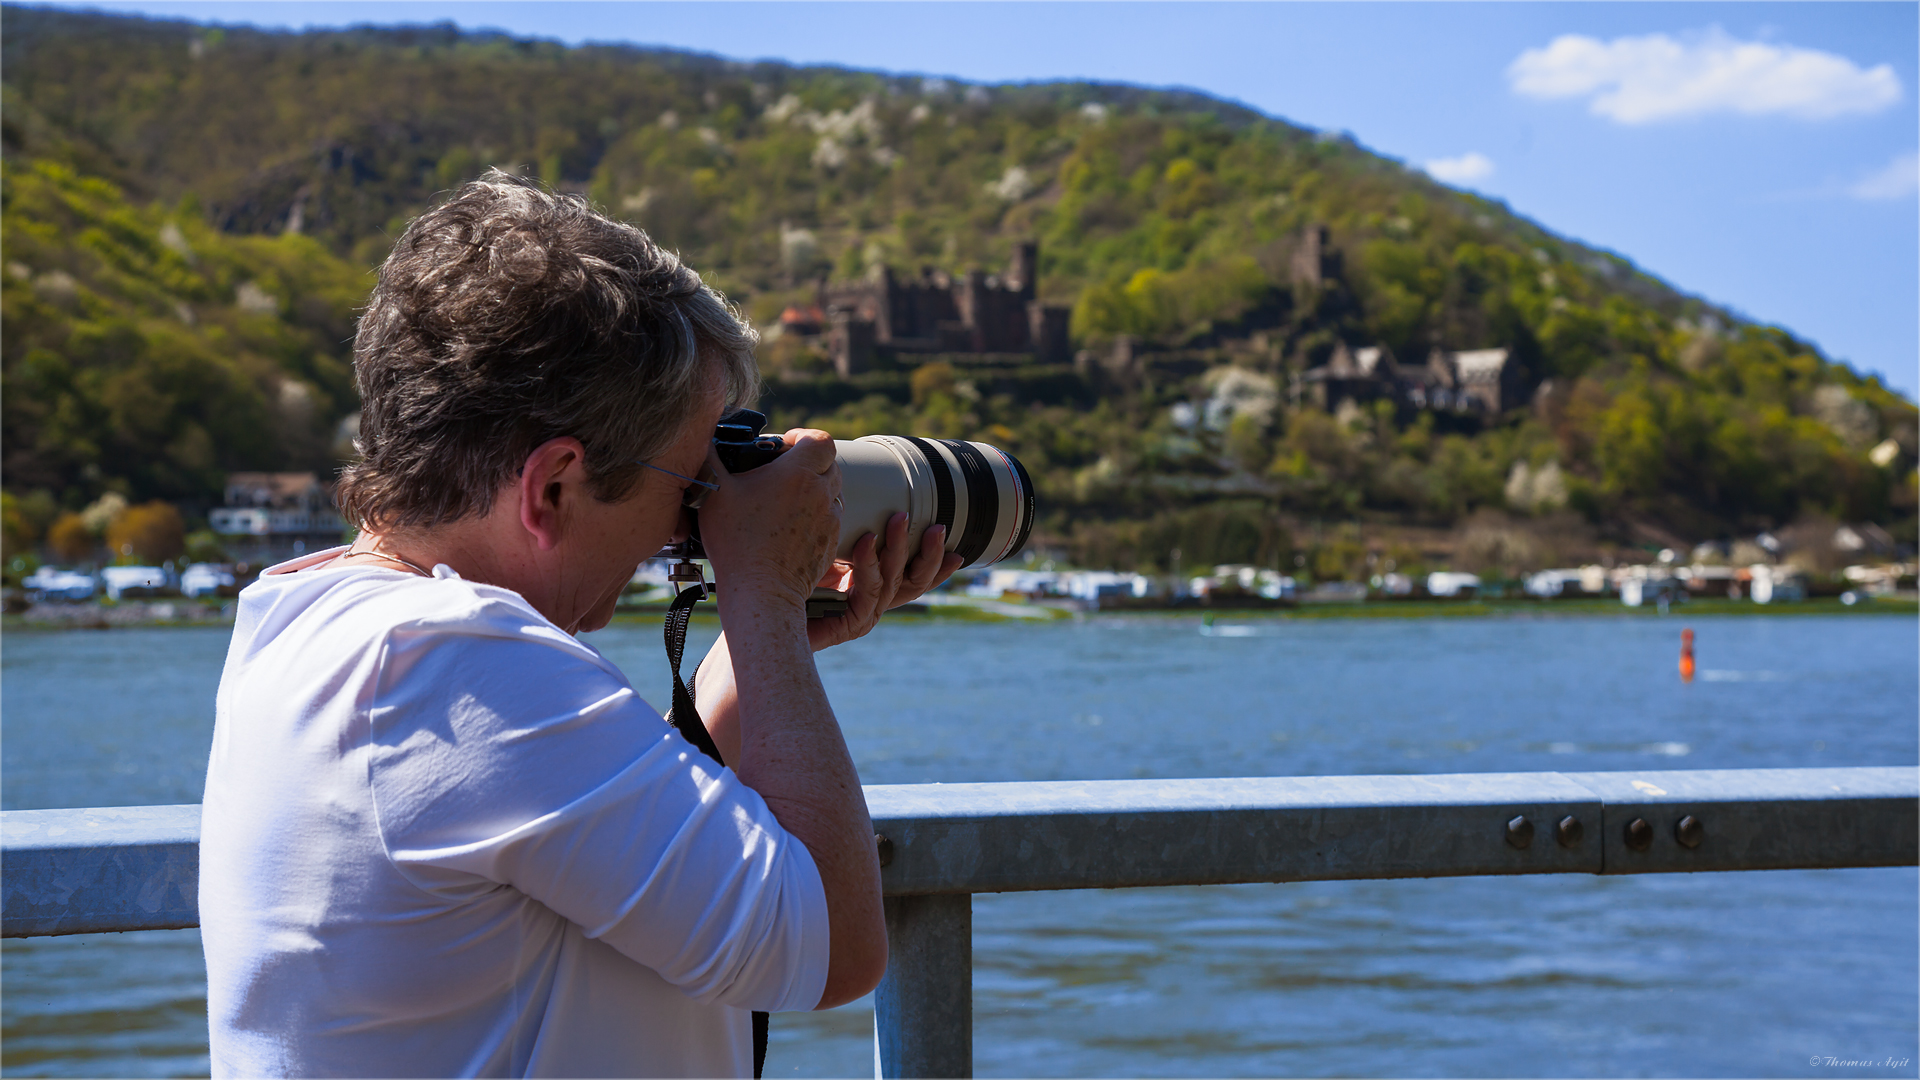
(973, 309)
(1315, 260)
(1023, 272)
(888, 303)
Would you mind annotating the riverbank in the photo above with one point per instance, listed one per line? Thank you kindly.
(976, 610)
(164, 613)
(130, 613)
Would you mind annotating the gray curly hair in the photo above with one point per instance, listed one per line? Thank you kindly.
(508, 316)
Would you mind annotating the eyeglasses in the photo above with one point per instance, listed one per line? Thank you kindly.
(697, 490)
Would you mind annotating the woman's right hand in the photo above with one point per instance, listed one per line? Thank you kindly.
(771, 532)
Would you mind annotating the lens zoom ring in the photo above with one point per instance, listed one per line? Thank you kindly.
(983, 500)
(942, 485)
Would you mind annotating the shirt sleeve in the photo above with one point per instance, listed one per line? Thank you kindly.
(503, 752)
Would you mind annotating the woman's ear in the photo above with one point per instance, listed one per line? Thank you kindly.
(554, 475)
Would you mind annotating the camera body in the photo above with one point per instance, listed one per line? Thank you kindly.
(738, 442)
(980, 493)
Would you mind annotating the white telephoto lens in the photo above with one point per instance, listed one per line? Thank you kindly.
(980, 493)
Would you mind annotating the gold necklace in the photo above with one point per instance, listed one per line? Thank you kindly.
(390, 557)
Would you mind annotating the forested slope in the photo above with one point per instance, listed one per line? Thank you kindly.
(146, 350)
(286, 161)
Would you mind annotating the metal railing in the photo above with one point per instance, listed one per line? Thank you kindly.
(137, 868)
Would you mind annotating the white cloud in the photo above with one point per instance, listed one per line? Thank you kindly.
(1464, 169)
(1639, 80)
(1900, 179)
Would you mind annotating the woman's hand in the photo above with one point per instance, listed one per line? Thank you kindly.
(875, 584)
(771, 532)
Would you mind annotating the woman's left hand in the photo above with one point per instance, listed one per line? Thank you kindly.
(875, 583)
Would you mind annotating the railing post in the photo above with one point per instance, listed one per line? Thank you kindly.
(923, 1009)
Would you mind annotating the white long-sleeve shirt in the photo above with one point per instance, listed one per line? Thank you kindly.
(443, 837)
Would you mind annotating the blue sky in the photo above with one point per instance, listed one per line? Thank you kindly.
(1760, 155)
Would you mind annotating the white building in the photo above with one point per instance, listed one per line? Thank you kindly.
(1002, 580)
(1392, 584)
(136, 580)
(52, 583)
(1094, 585)
(1877, 580)
(1635, 592)
(1776, 584)
(1240, 578)
(1487, 377)
(279, 513)
(206, 579)
(1546, 584)
(1449, 583)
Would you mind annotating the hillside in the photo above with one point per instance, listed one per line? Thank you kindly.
(146, 350)
(1172, 225)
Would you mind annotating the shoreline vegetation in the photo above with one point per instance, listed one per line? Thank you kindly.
(188, 613)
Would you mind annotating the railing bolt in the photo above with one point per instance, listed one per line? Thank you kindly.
(883, 846)
(1639, 834)
(1569, 831)
(1520, 832)
(1689, 831)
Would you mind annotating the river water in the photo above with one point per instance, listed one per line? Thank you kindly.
(1760, 974)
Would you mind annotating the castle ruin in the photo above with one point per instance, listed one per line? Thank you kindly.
(938, 313)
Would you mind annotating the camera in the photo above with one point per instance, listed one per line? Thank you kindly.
(981, 493)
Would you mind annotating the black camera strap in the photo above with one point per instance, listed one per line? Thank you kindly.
(684, 716)
(686, 719)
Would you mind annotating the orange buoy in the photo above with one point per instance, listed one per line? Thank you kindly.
(1686, 655)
